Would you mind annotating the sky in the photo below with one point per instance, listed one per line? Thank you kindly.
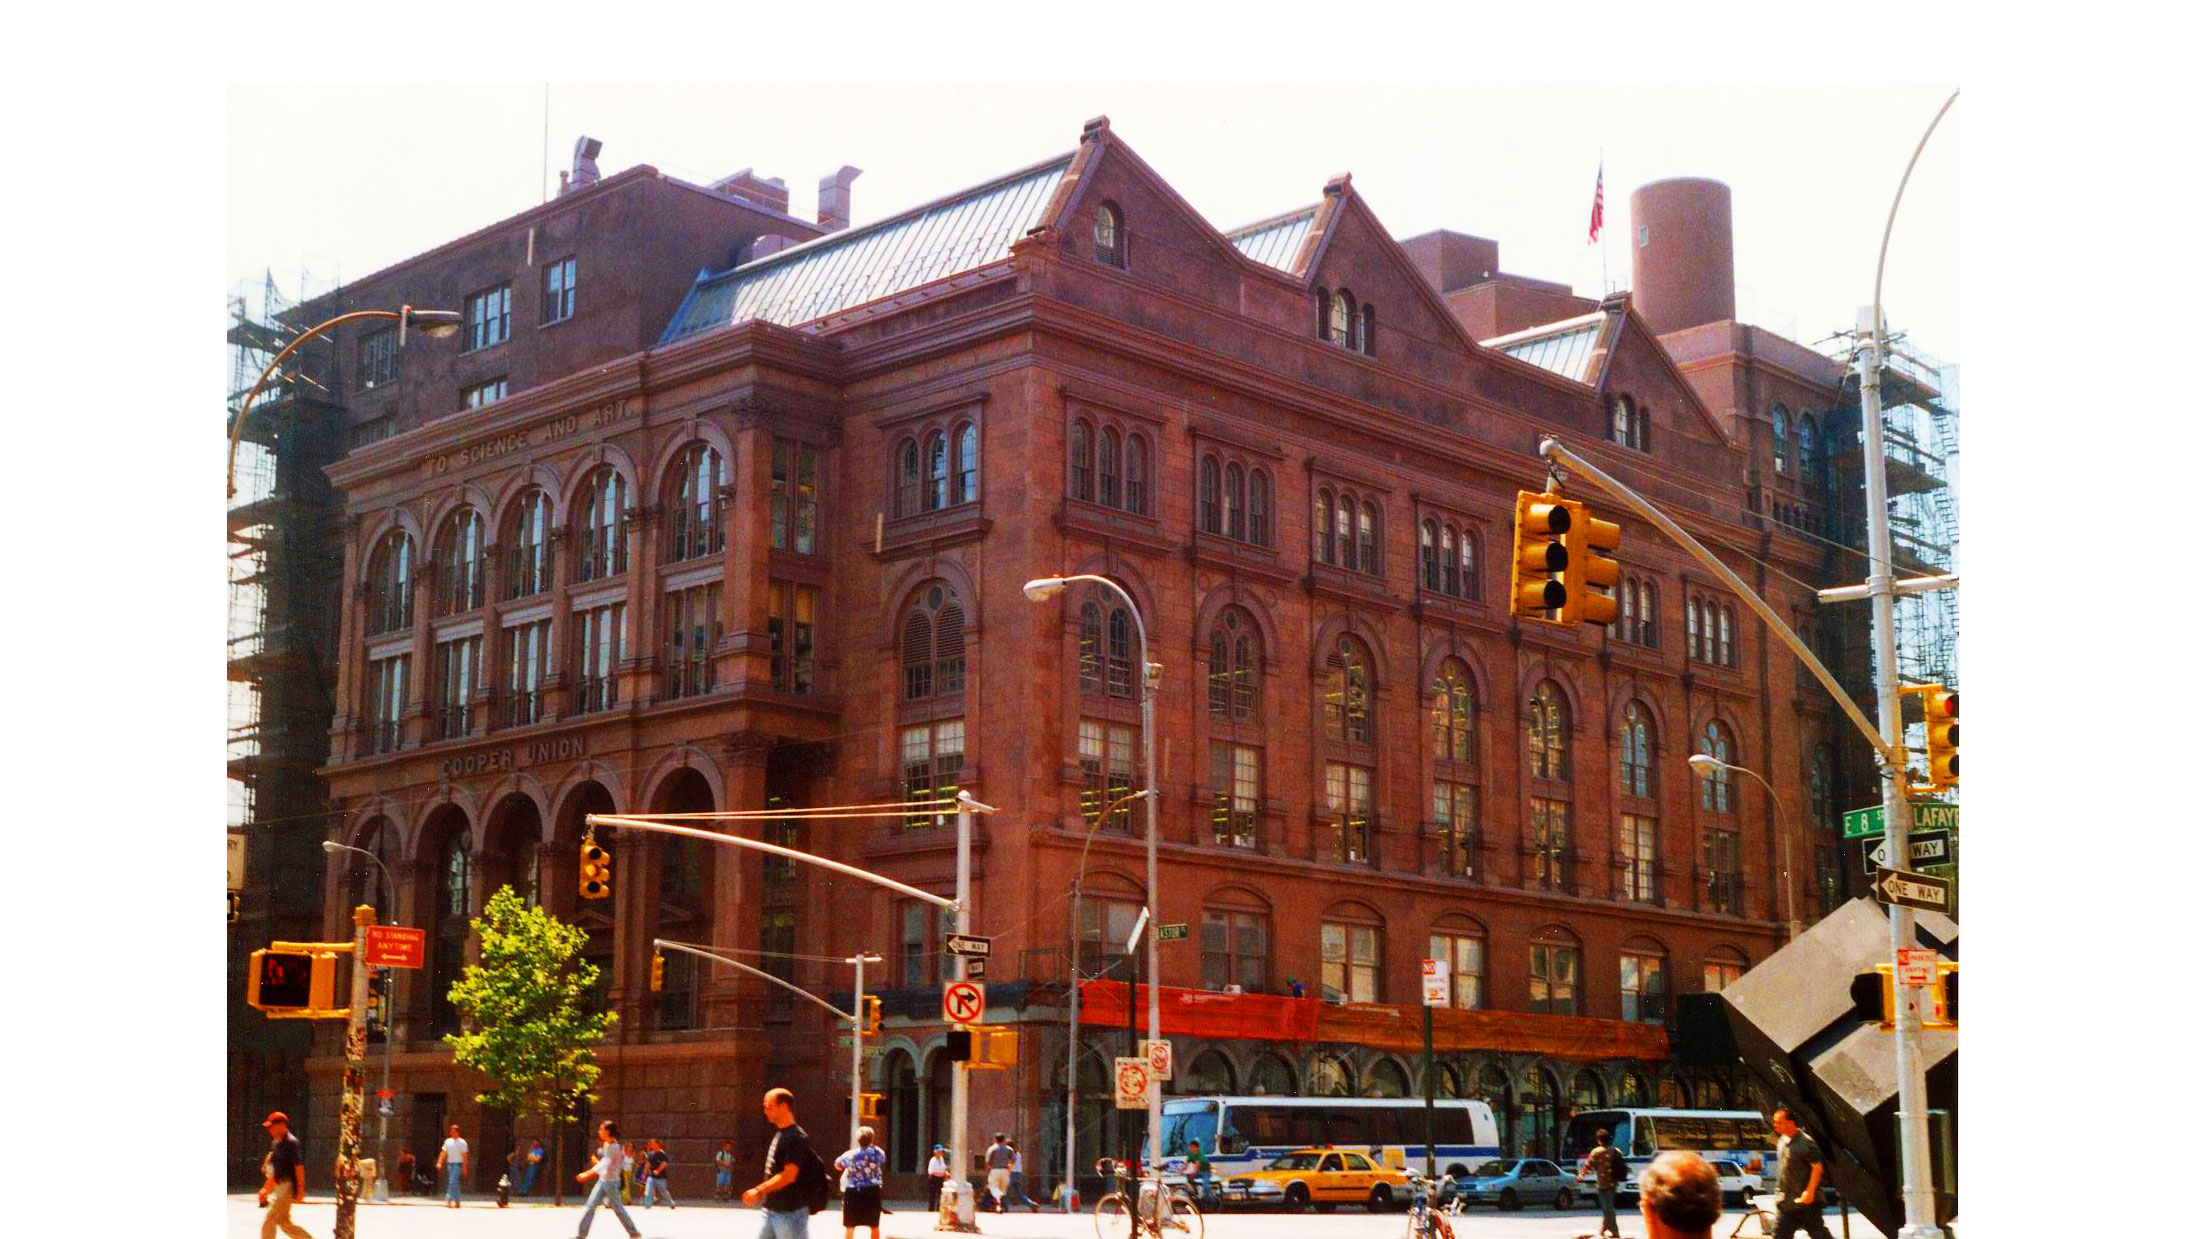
(340, 181)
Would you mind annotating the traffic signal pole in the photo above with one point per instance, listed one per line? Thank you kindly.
(357, 1069)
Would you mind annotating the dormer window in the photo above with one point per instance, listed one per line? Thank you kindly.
(1108, 240)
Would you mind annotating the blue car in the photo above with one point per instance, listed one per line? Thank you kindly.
(1514, 1184)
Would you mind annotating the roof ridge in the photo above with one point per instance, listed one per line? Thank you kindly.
(1541, 330)
(1273, 221)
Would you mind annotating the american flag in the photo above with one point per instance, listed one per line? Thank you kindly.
(1597, 206)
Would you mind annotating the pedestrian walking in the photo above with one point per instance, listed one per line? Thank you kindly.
(938, 1173)
(787, 1195)
(403, 1171)
(656, 1174)
(1681, 1197)
(1608, 1167)
(530, 1161)
(1797, 1201)
(1014, 1189)
(284, 1179)
(863, 1167)
(605, 1174)
(725, 1162)
(453, 1158)
(633, 1173)
(998, 1166)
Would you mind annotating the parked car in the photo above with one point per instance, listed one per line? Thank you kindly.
(1737, 1185)
(1321, 1177)
(1514, 1184)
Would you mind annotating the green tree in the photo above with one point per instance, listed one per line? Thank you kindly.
(524, 1018)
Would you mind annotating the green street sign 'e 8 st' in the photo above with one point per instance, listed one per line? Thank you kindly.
(1926, 815)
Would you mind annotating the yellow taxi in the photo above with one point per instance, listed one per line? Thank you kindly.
(1322, 1177)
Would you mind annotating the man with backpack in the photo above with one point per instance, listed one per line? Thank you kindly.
(1609, 1167)
(797, 1185)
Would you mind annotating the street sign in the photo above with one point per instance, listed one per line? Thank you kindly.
(1132, 1084)
(1175, 933)
(234, 849)
(1926, 815)
(395, 946)
(1436, 983)
(1159, 1058)
(1930, 847)
(967, 944)
(971, 967)
(1913, 890)
(385, 1094)
(963, 1002)
(1916, 965)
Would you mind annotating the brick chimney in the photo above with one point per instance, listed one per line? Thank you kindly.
(834, 199)
(769, 192)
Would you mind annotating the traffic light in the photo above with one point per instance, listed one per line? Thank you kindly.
(1943, 1000)
(378, 982)
(594, 872)
(871, 1105)
(1873, 999)
(1939, 709)
(1590, 567)
(289, 982)
(1540, 525)
(660, 969)
(999, 1047)
(958, 1044)
(234, 907)
(871, 1015)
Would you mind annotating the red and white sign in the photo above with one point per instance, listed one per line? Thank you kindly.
(1132, 1084)
(963, 1002)
(395, 946)
(1916, 965)
(1436, 983)
(1159, 1059)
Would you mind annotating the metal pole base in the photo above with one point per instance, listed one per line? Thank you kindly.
(956, 1207)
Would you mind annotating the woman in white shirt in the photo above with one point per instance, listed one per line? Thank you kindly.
(605, 1176)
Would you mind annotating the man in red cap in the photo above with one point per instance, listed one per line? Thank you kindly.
(286, 1181)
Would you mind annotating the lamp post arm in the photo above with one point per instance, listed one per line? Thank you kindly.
(632, 823)
(238, 424)
(847, 1016)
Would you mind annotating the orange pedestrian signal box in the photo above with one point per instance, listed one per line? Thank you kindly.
(395, 946)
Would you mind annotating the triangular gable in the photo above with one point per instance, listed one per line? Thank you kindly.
(1626, 328)
(1099, 144)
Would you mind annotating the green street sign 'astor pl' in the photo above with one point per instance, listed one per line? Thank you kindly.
(1926, 815)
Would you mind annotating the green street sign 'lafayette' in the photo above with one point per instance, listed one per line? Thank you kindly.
(1926, 815)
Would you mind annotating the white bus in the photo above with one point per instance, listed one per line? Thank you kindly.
(1739, 1136)
(1243, 1134)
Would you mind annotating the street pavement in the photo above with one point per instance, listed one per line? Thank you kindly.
(480, 1219)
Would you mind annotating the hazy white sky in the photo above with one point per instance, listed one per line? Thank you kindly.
(348, 179)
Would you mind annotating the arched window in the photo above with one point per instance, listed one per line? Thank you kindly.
(1643, 981)
(1328, 1076)
(1819, 785)
(1209, 1074)
(1324, 304)
(1385, 1078)
(1470, 585)
(601, 550)
(1724, 643)
(1633, 1091)
(937, 459)
(1624, 421)
(1232, 680)
(1324, 527)
(1120, 654)
(1090, 648)
(907, 499)
(1695, 615)
(1715, 788)
(1647, 603)
(1587, 1092)
(1431, 577)
(461, 562)
(1345, 547)
(1272, 1077)
(695, 504)
(1259, 515)
(1232, 485)
(450, 927)
(964, 477)
(1547, 732)
(1723, 965)
(1781, 437)
(1808, 449)
(1344, 709)
(1554, 973)
(530, 546)
(1139, 478)
(1370, 558)
(1109, 467)
(1367, 330)
(1209, 495)
(1463, 946)
(1450, 556)
(1340, 320)
(1107, 237)
(1452, 715)
(1636, 733)
(932, 656)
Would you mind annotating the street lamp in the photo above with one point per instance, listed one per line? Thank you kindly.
(383, 1103)
(437, 324)
(1044, 589)
(1707, 764)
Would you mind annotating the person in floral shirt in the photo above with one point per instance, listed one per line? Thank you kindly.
(863, 1167)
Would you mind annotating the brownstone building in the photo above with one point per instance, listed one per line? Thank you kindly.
(776, 558)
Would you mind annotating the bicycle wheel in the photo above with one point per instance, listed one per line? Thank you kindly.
(1112, 1217)
(1183, 1220)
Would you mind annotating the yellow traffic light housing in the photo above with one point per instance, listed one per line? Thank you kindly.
(871, 1015)
(660, 969)
(1939, 710)
(994, 1047)
(594, 872)
(871, 1105)
(292, 982)
(1874, 997)
(1538, 586)
(1590, 567)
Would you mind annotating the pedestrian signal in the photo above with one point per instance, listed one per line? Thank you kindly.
(660, 969)
(1943, 1000)
(595, 872)
(871, 1014)
(958, 1044)
(291, 981)
(1590, 567)
(871, 1105)
(1538, 584)
(378, 982)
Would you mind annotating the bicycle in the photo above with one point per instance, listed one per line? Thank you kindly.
(1427, 1219)
(1169, 1214)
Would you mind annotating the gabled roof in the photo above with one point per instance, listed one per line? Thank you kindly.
(1564, 347)
(1275, 242)
(828, 275)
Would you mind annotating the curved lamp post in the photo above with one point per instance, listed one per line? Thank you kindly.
(1705, 763)
(437, 324)
(1044, 589)
(391, 917)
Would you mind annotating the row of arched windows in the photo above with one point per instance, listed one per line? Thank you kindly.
(936, 469)
(1631, 424)
(1712, 631)
(1808, 444)
(1637, 621)
(1236, 501)
(1347, 531)
(1107, 466)
(1341, 320)
(1448, 560)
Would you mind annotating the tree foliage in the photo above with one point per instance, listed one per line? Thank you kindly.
(523, 1010)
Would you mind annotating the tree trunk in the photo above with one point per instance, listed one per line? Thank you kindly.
(560, 1169)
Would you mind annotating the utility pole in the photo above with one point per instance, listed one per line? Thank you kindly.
(860, 1024)
(961, 1193)
(357, 1066)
